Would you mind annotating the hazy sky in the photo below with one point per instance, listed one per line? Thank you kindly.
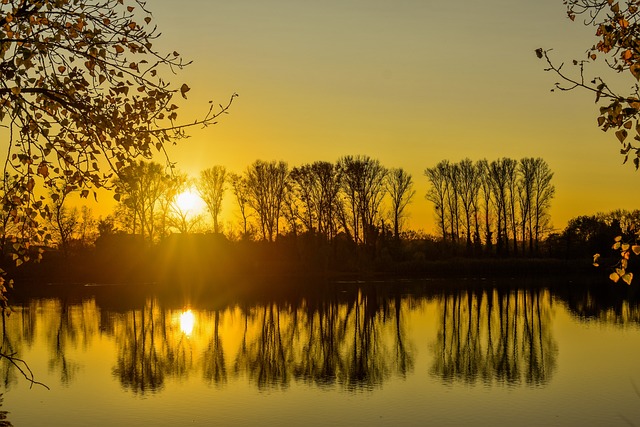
(407, 82)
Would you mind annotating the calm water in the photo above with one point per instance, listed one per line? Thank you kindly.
(386, 354)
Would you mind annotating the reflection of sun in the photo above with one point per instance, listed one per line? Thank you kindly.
(187, 321)
(189, 202)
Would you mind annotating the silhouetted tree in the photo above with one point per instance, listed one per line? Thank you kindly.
(266, 184)
(400, 189)
(241, 192)
(487, 197)
(438, 191)
(543, 191)
(211, 187)
(142, 185)
(469, 184)
(363, 187)
(62, 220)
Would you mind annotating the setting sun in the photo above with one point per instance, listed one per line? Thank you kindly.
(190, 202)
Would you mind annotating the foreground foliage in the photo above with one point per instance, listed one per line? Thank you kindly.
(617, 29)
(83, 94)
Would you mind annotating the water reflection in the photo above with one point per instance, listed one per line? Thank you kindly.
(614, 305)
(3, 416)
(356, 338)
(150, 346)
(496, 337)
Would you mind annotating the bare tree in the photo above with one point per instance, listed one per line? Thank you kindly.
(498, 173)
(305, 186)
(511, 171)
(400, 189)
(363, 186)
(468, 184)
(211, 187)
(267, 183)
(487, 197)
(63, 221)
(438, 191)
(241, 194)
(526, 169)
(543, 191)
(327, 196)
(143, 185)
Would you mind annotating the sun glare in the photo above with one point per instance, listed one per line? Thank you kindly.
(190, 202)
(187, 321)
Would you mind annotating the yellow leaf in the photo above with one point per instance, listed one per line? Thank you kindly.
(15, 90)
(614, 277)
(627, 278)
(617, 239)
(636, 249)
(625, 246)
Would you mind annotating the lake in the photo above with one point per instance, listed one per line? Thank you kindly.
(389, 353)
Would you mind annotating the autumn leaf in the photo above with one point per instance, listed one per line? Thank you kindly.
(43, 170)
(184, 89)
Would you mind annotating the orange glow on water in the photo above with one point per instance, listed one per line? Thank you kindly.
(187, 321)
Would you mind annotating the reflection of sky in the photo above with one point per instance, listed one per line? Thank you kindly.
(596, 364)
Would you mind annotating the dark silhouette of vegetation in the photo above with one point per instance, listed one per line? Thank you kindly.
(331, 219)
(513, 197)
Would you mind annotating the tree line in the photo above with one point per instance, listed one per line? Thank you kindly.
(320, 198)
(504, 203)
(499, 207)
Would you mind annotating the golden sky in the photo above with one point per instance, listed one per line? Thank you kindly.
(408, 82)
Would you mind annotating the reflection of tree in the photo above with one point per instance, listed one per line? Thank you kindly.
(265, 359)
(603, 304)
(63, 333)
(353, 343)
(139, 366)
(368, 363)
(403, 355)
(150, 347)
(320, 360)
(3, 416)
(495, 336)
(214, 368)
